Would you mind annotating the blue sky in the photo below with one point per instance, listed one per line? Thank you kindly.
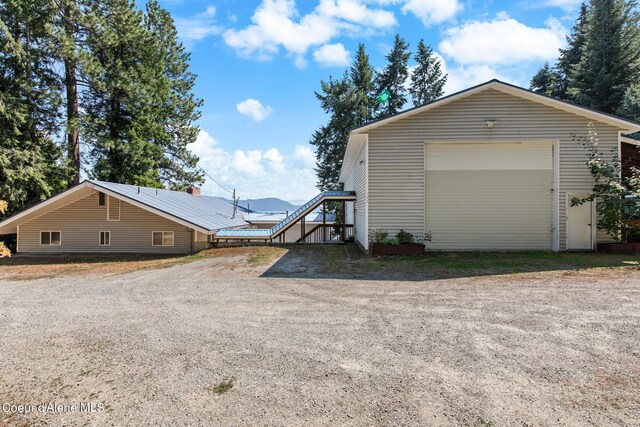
(259, 63)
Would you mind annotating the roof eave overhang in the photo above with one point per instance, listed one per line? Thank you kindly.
(10, 225)
(353, 148)
(629, 140)
(614, 121)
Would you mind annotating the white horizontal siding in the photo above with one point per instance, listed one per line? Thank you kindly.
(357, 181)
(396, 152)
(80, 223)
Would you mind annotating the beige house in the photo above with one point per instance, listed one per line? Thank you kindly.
(493, 167)
(104, 217)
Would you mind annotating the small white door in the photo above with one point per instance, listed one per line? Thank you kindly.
(579, 225)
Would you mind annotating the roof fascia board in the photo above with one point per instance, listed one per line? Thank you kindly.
(570, 108)
(44, 204)
(438, 103)
(351, 153)
(628, 140)
(512, 90)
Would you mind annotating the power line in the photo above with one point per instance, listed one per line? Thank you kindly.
(214, 180)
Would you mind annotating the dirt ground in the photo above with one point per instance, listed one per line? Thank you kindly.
(237, 339)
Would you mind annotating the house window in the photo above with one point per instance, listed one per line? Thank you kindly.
(101, 199)
(105, 238)
(113, 209)
(162, 238)
(50, 238)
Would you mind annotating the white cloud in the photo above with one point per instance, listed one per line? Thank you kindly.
(428, 11)
(567, 5)
(356, 11)
(502, 41)
(463, 77)
(332, 55)
(277, 23)
(433, 11)
(305, 154)
(256, 173)
(254, 109)
(198, 27)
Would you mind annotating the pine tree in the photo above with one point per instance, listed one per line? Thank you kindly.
(331, 139)
(362, 76)
(119, 100)
(631, 104)
(547, 82)
(394, 76)
(29, 101)
(610, 60)
(427, 79)
(176, 108)
(570, 57)
(67, 37)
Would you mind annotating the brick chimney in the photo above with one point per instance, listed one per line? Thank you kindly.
(194, 191)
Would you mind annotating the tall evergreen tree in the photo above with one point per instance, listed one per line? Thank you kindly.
(610, 60)
(29, 101)
(631, 104)
(176, 108)
(427, 79)
(331, 139)
(119, 100)
(362, 76)
(67, 25)
(394, 76)
(547, 81)
(570, 57)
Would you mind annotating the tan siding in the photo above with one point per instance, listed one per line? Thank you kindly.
(396, 158)
(113, 208)
(81, 221)
(357, 181)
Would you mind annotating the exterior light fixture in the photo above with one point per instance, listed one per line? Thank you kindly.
(491, 123)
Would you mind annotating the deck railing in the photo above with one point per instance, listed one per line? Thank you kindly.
(328, 233)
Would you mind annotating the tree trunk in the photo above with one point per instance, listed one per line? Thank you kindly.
(73, 115)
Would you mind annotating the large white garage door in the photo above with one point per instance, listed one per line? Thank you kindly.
(489, 196)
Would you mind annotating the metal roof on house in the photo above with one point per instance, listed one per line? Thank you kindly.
(247, 232)
(206, 212)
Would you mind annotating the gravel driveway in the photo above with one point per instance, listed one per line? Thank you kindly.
(151, 348)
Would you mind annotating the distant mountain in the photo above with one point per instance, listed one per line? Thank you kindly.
(269, 204)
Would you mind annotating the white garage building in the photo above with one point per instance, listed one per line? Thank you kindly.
(493, 167)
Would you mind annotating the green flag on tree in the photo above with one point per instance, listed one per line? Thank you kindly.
(384, 96)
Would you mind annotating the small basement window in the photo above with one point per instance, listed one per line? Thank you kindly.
(50, 238)
(105, 238)
(102, 200)
(162, 238)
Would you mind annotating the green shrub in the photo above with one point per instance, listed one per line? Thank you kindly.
(404, 237)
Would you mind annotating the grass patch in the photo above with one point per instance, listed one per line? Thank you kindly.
(349, 260)
(223, 387)
(264, 255)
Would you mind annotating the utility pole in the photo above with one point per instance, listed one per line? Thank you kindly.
(235, 204)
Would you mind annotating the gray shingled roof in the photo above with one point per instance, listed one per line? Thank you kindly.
(210, 213)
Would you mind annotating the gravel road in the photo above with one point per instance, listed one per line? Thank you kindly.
(151, 348)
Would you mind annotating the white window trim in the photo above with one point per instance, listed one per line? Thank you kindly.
(173, 238)
(100, 236)
(109, 208)
(50, 231)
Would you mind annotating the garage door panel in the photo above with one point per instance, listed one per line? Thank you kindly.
(489, 209)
